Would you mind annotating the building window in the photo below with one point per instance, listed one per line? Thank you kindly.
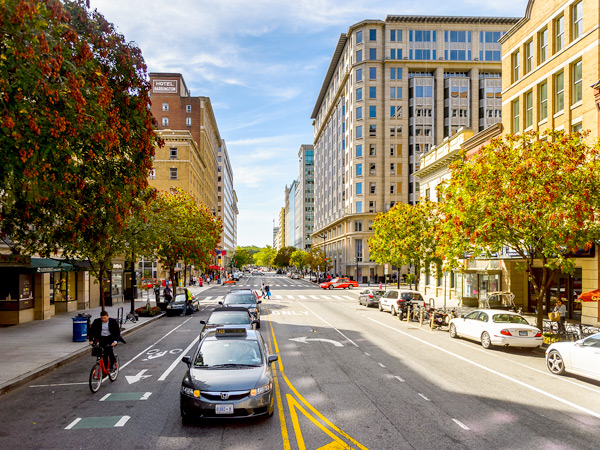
(543, 40)
(395, 112)
(372, 73)
(357, 225)
(359, 56)
(528, 109)
(372, 167)
(393, 35)
(543, 98)
(173, 173)
(372, 130)
(392, 168)
(165, 121)
(358, 75)
(372, 92)
(358, 94)
(516, 62)
(358, 207)
(373, 112)
(528, 56)
(359, 132)
(392, 150)
(577, 127)
(372, 34)
(188, 108)
(188, 121)
(371, 210)
(515, 116)
(165, 106)
(359, 249)
(173, 153)
(372, 150)
(359, 37)
(359, 113)
(372, 54)
(577, 17)
(559, 92)
(359, 170)
(372, 187)
(576, 77)
(391, 188)
(358, 188)
(359, 151)
(559, 34)
(152, 174)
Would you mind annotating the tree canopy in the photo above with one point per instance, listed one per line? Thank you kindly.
(282, 259)
(299, 259)
(76, 132)
(242, 257)
(264, 257)
(538, 195)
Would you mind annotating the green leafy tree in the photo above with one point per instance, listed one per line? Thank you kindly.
(282, 259)
(76, 133)
(252, 249)
(316, 259)
(264, 257)
(242, 257)
(299, 259)
(406, 234)
(538, 195)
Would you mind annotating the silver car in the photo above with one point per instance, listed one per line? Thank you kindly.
(229, 375)
(370, 297)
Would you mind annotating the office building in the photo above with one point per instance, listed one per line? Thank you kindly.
(305, 198)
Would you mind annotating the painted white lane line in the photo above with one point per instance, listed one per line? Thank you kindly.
(143, 352)
(57, 384)
(178, 359)
(122, 421)
(208, 298)
(105, 397)
(460, 424)
(399, 379)
(72, 424)
(422, 396)
(368, 354)
(381, 365)
(495, 372)
(323, 320)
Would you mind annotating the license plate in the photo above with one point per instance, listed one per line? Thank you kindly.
(522, 333)
(224, 409)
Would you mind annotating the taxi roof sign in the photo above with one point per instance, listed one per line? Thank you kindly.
(230, 331)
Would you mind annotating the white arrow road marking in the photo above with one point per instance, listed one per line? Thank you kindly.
(135, 378)
(305, 340)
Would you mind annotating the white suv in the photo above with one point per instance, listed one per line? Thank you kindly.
(394, 300)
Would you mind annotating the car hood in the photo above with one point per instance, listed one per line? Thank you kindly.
(227, 379)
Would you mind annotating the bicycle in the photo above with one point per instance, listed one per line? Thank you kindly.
(99, 371)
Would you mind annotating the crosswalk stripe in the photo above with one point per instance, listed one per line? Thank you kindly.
(291, 296)
(349, 298)
(303, 297)
(315, 297)
(220, 297)
(337, 297)
(207, 298)
(277, 296)
(325, 297)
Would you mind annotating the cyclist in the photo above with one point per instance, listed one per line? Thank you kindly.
(105, 331)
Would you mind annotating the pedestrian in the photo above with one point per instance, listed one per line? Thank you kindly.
(262, 290)
(561, 309)
(380, 286)
(167, 294)
(189, 308)
(268, 291)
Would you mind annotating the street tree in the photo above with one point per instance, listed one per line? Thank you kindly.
(264, 257)
(241, 257)
(538, 195)
(299, 259)
(316, 259)
(282, 259)
(76, 132)
(406, 235)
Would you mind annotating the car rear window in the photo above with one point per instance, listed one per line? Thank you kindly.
(378, 292)
(228, 318)
(509, 318)
(238, 299)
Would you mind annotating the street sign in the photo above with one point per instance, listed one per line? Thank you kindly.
(385, 269)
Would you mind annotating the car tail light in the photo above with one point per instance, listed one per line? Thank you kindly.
(505, 332)
(538, 334)
(370, 295)
(399, 302)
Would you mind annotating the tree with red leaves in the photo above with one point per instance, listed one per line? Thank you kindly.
(538, 195)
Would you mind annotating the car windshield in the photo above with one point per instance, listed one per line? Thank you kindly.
(239, 299)
(411, 296)
(180, 298)
(228, 318)
(378, 292)
(509, 318)
(223, 353)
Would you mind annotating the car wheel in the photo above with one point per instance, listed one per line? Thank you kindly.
(331, 286)
(351, 286)
(380, 307)
(486, 341)
(400, 315)
(452, 331)
(555, 363)
(393, 311)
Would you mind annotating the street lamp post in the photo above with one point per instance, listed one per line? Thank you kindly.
(356, 261)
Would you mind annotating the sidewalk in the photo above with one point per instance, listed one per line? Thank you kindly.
(32, 349)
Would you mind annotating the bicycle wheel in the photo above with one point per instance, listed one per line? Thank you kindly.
(95, 378)
(113, 373)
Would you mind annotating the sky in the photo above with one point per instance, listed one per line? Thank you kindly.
(262, 63)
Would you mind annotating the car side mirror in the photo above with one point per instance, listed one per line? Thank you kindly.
(187, 360)
(462, 316)
(272, 358)
(220, 303)
(203, 322)
(579, 343)
(259, 302)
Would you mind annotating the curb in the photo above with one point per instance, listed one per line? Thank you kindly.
(46, 368)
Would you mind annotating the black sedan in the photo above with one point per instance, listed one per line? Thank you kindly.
(228, 316)
(246, 298)
(177, 306)
(370, 297)
(229, 375)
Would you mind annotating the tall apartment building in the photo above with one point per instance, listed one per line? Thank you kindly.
(290, 219)
(227, 205)
(275, 234)
(305, 198)
(282, 231)
(393, 90)
(550, 66)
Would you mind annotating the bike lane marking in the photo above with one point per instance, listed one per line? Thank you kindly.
(495, 372)
(98, 422)
(125, 396)
(178, 360)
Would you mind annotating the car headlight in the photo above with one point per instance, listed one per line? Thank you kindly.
(191, 392)
(261, 390)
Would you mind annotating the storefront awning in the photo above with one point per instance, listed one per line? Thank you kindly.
(592, 296)
(216, 268)
(42, 265)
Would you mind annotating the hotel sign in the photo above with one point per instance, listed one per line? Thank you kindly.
(164, 86)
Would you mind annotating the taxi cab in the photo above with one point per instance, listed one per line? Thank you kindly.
(343, 283)
(229, 376)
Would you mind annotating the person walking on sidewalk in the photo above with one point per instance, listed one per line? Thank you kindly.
(267, 291)
(561, 309)
(105, 331)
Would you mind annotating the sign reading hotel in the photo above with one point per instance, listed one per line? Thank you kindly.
(164, 86)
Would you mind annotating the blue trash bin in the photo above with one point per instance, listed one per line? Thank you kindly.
(80, 329)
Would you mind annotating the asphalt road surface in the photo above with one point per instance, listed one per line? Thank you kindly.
(347, 377)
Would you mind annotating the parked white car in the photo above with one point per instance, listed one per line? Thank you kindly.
(394, 300)
(580, 358)
(496, 327)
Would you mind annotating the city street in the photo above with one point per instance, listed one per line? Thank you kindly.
(347, 377)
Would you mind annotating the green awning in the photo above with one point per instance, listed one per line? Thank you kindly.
(42, 265)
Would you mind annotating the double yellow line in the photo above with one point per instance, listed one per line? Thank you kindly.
(294, 404)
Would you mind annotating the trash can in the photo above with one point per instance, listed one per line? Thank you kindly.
(81, 324)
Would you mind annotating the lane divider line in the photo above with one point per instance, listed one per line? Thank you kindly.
(381, 365)
(399, 379)
(178, 359)
(423, 397)
(323, 320)
(72, 424)
(122, 421)
(460, 424)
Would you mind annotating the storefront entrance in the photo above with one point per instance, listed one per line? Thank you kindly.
(564, 286)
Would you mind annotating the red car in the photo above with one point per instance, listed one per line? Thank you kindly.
(339, 283)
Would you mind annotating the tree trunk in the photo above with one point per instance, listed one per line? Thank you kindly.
(172, 278)
(101, 281)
